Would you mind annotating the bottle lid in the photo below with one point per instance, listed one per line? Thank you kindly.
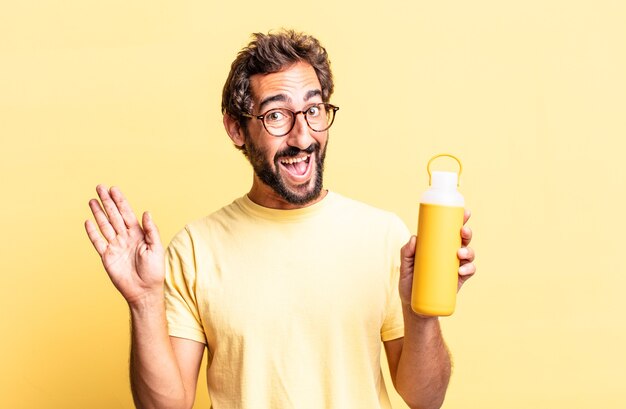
(456, 175)
(444, 180)
(443, 186)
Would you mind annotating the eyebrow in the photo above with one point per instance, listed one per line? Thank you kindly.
(282, 97)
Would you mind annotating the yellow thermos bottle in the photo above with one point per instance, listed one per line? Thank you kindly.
(435, 274)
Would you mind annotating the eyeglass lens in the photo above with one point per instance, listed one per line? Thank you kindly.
(280, 121)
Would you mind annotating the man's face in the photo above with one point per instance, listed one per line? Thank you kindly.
(289, 167)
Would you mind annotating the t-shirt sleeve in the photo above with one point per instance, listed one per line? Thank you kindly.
(393, 325)
(181, 307)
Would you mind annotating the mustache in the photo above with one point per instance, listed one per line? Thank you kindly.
(293, 151)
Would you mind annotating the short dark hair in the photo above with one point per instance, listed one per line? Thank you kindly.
(268, 53)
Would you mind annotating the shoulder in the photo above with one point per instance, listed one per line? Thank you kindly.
(202, 228)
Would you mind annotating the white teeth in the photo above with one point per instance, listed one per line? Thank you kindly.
(291, 161)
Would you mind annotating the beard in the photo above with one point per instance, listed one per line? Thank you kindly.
(270, 175)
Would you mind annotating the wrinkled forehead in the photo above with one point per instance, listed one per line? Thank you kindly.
(293, 85)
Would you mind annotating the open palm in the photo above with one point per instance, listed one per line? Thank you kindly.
(131, 254)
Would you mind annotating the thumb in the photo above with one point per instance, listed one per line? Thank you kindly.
(151, 230)
(407, 256)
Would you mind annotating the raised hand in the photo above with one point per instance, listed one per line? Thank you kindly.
(465, 255)
(132, 255)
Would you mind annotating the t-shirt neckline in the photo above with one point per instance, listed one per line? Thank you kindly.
(285, 214)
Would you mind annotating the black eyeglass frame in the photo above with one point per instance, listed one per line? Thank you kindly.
(329, 107)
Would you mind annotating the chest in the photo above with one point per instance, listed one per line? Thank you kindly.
(294, 283)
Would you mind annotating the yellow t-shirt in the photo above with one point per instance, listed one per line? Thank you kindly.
(292, 304)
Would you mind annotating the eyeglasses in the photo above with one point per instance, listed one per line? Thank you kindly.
(280, 121)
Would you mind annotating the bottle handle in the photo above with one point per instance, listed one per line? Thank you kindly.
(430, 175)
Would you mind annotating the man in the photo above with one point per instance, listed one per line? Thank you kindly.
(290, 288)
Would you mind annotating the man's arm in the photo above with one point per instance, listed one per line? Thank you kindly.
(419, 363)
(164, 370)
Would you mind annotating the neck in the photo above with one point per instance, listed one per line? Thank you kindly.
(265, 196)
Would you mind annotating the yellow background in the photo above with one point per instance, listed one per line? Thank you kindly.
(530, 95)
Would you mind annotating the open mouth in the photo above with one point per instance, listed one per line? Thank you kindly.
(298, 167)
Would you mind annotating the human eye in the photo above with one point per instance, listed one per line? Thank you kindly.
(313, 111)
(275, 116)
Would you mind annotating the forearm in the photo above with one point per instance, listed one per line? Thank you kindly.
(156, 381)
(424, 367)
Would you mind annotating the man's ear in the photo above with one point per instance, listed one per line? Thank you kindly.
(234, 130)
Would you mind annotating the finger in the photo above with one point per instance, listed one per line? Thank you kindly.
(103, 221)
(115, 218)
(152, 232)
(408, 250)
(130, 220)
(466, 215)
(465, 255)
(467, 270)
(465, 273)
(466, 236)
(96, 239)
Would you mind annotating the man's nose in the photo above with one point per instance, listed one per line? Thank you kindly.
(300, 135)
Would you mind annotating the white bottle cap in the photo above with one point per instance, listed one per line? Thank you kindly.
(443, 186)
(444, 180)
